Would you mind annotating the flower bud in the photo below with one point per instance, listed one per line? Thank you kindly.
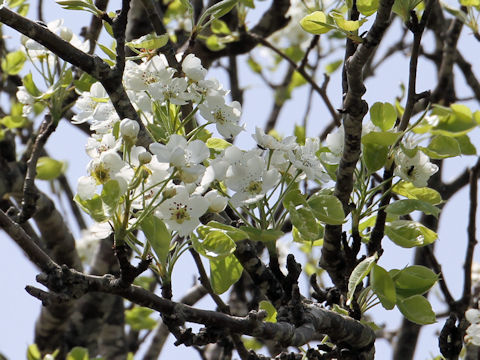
(129, 128)
(144, 157)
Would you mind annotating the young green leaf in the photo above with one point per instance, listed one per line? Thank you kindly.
(327, 208)
(78, 353)
(139, 318)
(316, 23)
(407, 234)
(414, 280)
(375, 156)
(270, 309)
(358, 274)
(384, 287)
(49, 169)
(224, 272)
(383, 138)
(408, 190)
(157, 236)
(367, 7)
(383, 115)
(404, 207)
(442, 147)
(13, 62)
(417, 309)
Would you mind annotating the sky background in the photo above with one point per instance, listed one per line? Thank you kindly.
(18, 310)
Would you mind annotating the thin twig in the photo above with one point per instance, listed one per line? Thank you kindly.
(30, 193)
(472, 240)
(307, 77)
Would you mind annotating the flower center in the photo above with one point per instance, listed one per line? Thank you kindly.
(101, 174)
(255, 187)
(179, 213)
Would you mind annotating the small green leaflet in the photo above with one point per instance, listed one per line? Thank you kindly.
(384, 287)
(358, 274)
(157, 236)
(409, 234)
(404, 207)
(224, 272)
(417, 309)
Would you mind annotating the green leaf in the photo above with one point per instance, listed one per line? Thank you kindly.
(111, 193)
(144, 282)
(217, 10)
(268, 235)
(408, 190)
(294, 198)
(48, 168)
(299, 133)
(442, 147)
(270, 309)
(139, 318)
(217, 144)
(404, 207)
(407, 234)
(334, 65)
(224, 273)
(358, 274)
(255, 66)
(217, 245)
(248, 3)
(219, 27)
(375, 156)
(311, 23)
(110, 53)
(327, 208)
(150, 41)
(12, 64)
(383, 138)
(384, 287)
(305, 222)
(297, 81)
(30, 85)
(78, 353)
(33, 353)
(214, 44)
(157, 236)
(367, 7)
(456, 120)
(93, 207)
(234, 233)
(417, 309)
(413, 280)
(84, 82)
(466, 146)
(404, 7)
(347, 25)
(470, 2)
(383, 115)
(14, 121)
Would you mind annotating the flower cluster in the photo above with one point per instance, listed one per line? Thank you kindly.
(183, 175)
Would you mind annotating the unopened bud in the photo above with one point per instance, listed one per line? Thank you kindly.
(129, 128)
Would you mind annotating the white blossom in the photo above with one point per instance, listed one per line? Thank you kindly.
(416, 169)
(269, 142)
(305, 158)
(181, 213)
(192, 67)
(26, 99)
(250, 179)
(86, 187)
(473, 331)
(216, 202)
(226, 117)
(186, 157)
